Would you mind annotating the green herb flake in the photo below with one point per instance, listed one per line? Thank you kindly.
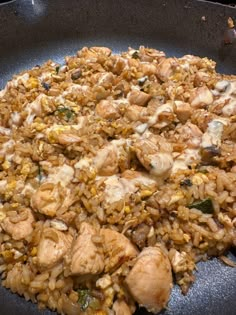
(186, 182)
(57, 69)
(205, 205)
(64, 111)
(40, 173)
(84, 299)
(135, 55)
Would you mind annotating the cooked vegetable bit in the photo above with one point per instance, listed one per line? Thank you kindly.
(66, 112)
(135, 55)
(186, 182)
(206, 206)
(47, 86)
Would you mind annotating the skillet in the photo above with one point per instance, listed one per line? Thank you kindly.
(33, 31)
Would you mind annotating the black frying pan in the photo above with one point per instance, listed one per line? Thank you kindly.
(32, 31)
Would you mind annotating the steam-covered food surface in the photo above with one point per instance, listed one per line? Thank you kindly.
(117, 176)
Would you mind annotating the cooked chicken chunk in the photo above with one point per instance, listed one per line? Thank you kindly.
(19, 226)
(105, 79)
(136, 113)
(107, 109)
(117, 249)
(201, 78)
(139, 98)
(87, 257)
(200, 97)
(120, 307)
(147, 68)
(52, 247)
(110, 157)
(183, 111)
(51, 198)
(166, 68)
(106, 160)
(160, 115)
(139, 179)
(155, 155)
(62, 174)
(150, 279)
(191, 135)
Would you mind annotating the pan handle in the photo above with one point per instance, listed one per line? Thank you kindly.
(5, 2)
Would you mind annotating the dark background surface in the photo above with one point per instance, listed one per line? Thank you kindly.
(50, 29)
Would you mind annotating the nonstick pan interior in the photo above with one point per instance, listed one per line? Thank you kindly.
(33, 31)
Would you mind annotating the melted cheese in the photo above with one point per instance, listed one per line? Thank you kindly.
(213, 134)
(160, 110)
(34, 108)
(83, 163)
(226, 92)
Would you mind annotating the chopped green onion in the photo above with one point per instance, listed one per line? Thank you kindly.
(67, 112)
(206, 206)
(57, 69)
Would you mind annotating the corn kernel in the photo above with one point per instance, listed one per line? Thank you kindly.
(11, 185)
(93, 191)
(39, 126)
(6, 165)
(2, 216)
(32, 83)
(33, 251)
(15, 205)
(127, 209)
(146, 193)
(7, 254)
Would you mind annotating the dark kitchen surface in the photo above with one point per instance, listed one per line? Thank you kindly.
(33, 31)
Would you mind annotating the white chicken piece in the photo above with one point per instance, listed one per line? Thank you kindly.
(66, 135)
(160, 115)
(118, 188)
(155, 154)
(139, 98)
(35, 108)
(180, 261)
(201, 78)
(105, 79)
(62, 174)
(150, 279)
(117, 248)
(51, 198)
(139, 179)
(52, 247)
(120, 307)
(136, 113)
(87, 258)
(225, 91)
(107, 109)
(101, 50)
(200, 97)
(166, 68)
(182, 110)
(191, 135)
(106, 160)
(19, 226)
(147, 68)
(213, 134)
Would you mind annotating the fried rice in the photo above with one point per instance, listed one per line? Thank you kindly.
(117, 176)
